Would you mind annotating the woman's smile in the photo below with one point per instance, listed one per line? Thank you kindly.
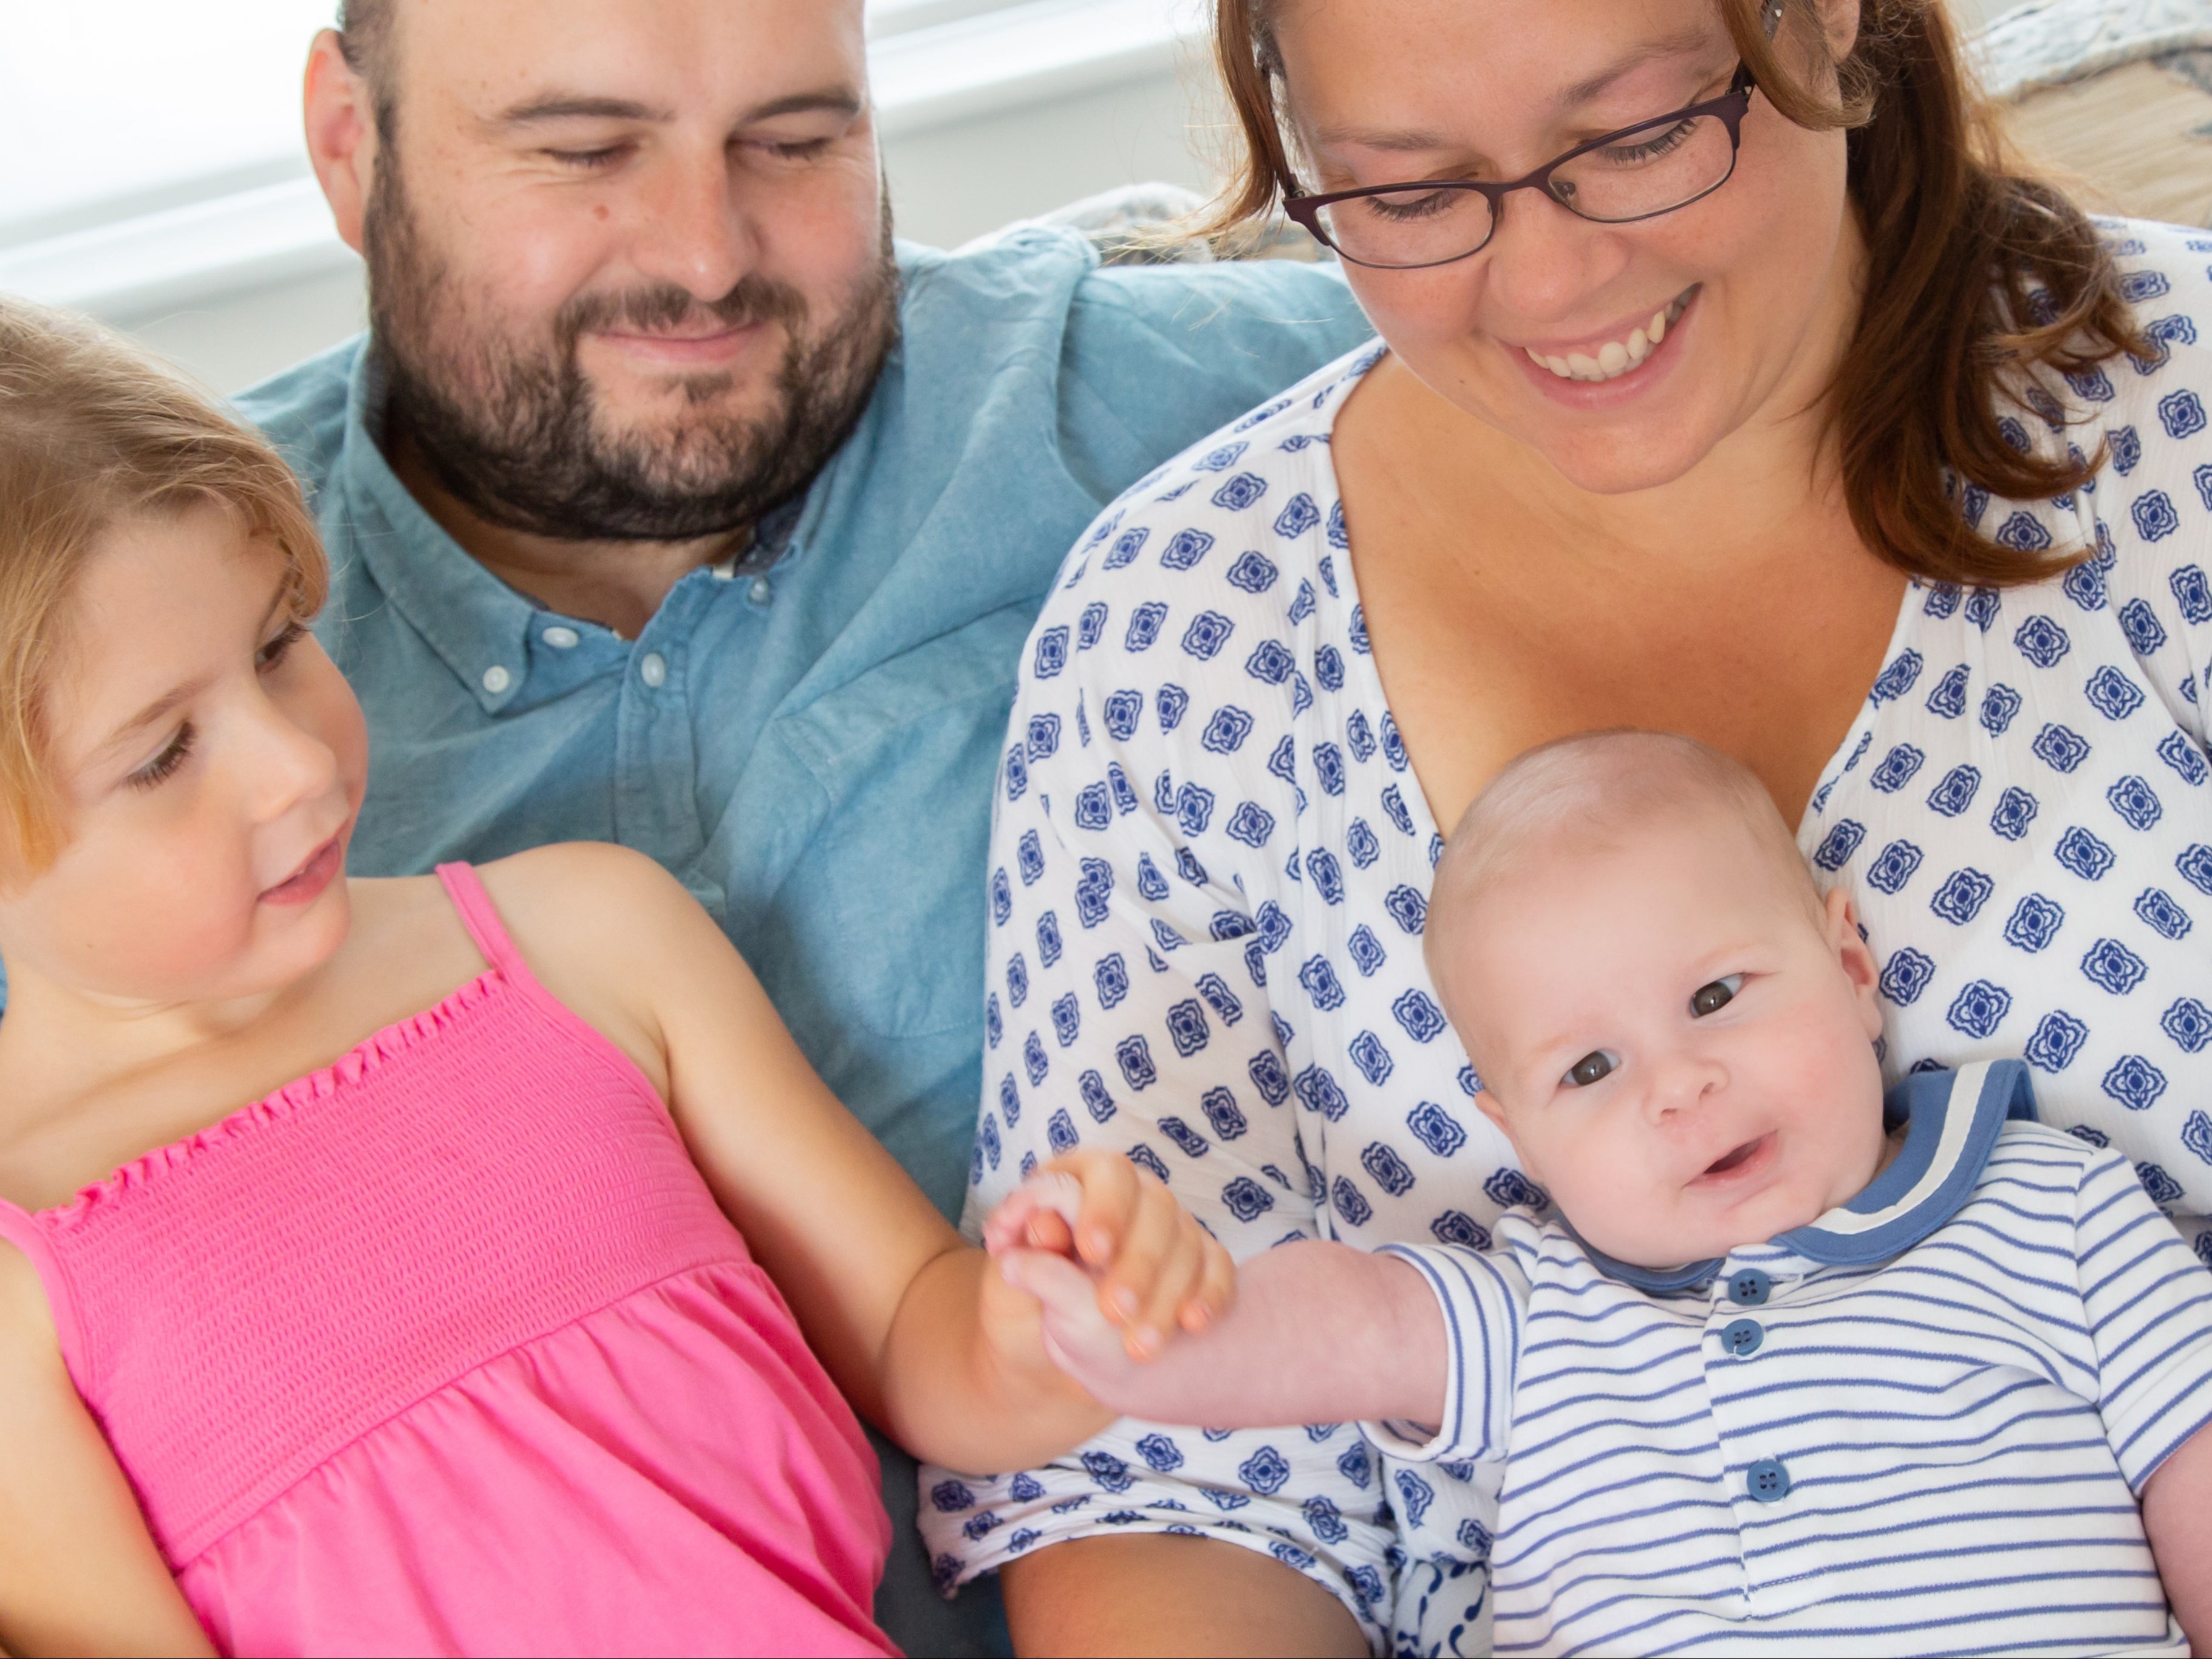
(1604, 373)
(1609, 359)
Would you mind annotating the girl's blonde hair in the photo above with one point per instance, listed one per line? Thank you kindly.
(91, 433)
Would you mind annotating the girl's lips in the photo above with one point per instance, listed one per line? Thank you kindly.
(1740, 1163)
(306, 885)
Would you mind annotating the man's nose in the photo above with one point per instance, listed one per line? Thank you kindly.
(690, 228)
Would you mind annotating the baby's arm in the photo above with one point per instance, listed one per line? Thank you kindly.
(1320, 1333)
(2177, 1511)
(79, 1573)
(919, 1330)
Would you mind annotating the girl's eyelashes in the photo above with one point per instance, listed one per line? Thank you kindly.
(1593, 1067)
(163, 767)
(1710, 999)
(280, 648)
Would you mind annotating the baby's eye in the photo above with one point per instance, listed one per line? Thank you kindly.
(1708, 998)
(1592, 1067)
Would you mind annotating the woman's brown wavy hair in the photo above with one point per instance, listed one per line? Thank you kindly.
(1978, 273)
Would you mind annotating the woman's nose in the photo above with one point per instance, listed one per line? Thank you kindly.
(1545, 262)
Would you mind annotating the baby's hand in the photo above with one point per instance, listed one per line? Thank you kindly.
(1117, 1261)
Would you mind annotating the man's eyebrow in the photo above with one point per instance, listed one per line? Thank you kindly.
(578, 106)
(585, 106)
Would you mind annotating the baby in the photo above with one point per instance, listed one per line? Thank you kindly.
(1794, 1367)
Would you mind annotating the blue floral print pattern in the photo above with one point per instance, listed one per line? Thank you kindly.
(1210, 878)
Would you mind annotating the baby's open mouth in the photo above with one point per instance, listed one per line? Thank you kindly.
(1729, 1163)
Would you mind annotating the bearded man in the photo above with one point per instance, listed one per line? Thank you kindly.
(672, 505)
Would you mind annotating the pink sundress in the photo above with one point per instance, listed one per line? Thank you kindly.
(447, 1348)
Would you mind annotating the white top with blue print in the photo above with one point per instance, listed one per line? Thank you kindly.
(1210, 868)
(1919, 1424)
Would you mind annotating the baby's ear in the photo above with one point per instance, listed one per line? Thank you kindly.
(1855, 955)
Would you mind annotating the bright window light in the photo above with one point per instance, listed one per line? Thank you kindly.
(112, 107)
(106, 102)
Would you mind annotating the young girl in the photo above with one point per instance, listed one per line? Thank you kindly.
(450, 1338)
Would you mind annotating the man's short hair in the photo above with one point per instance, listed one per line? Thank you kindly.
(365, 38)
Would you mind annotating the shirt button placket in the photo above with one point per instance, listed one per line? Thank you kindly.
(656, 809)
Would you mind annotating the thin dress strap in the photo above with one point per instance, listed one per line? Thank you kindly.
(20, 1228)
(478, 915)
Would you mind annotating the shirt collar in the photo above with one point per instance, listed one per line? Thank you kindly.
(1951, 1122)
(474, 621)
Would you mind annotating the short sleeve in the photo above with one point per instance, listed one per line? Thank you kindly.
(2148, 1302)
(1484, 1299)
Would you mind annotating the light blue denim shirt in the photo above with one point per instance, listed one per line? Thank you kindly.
(806, 740)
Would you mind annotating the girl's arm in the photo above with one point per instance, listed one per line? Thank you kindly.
(920, 1331)
(79, 1573)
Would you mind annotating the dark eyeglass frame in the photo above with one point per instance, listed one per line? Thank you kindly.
(1730, 108)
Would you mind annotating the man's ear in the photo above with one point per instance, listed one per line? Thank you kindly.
(341, 134)
(1855, 958)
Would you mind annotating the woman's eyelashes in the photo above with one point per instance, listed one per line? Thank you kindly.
(163, 767)
(1593, 1067)
(1712, 998)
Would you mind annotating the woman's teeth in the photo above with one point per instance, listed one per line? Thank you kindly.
(1616, 357)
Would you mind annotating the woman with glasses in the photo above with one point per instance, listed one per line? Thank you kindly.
(1732, 382)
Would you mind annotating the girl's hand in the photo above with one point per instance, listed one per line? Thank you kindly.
(1107, 1248)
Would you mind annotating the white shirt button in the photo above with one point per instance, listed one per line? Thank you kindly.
(761, 591)
(497, 679)
(560, 638)
(653, 670)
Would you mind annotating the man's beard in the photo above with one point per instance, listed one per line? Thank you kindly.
(517, 434)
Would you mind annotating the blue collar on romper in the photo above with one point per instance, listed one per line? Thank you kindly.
(1951, 1119)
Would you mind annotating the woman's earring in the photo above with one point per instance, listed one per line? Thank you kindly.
(1773, 19)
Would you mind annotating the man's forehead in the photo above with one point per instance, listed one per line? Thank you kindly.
(652, 58)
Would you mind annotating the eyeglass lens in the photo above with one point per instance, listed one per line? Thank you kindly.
(1648, 170)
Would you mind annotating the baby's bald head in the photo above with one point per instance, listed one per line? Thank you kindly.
(1601, 792)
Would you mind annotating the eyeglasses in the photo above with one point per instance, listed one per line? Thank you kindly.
(1638, 172)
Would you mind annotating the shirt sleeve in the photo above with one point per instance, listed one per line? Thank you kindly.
(2153, 501)
(1484, 1303)
(2148, 1302)
(1127, 1007)
(1225, 336)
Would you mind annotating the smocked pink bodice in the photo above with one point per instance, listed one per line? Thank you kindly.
(447, 1348)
